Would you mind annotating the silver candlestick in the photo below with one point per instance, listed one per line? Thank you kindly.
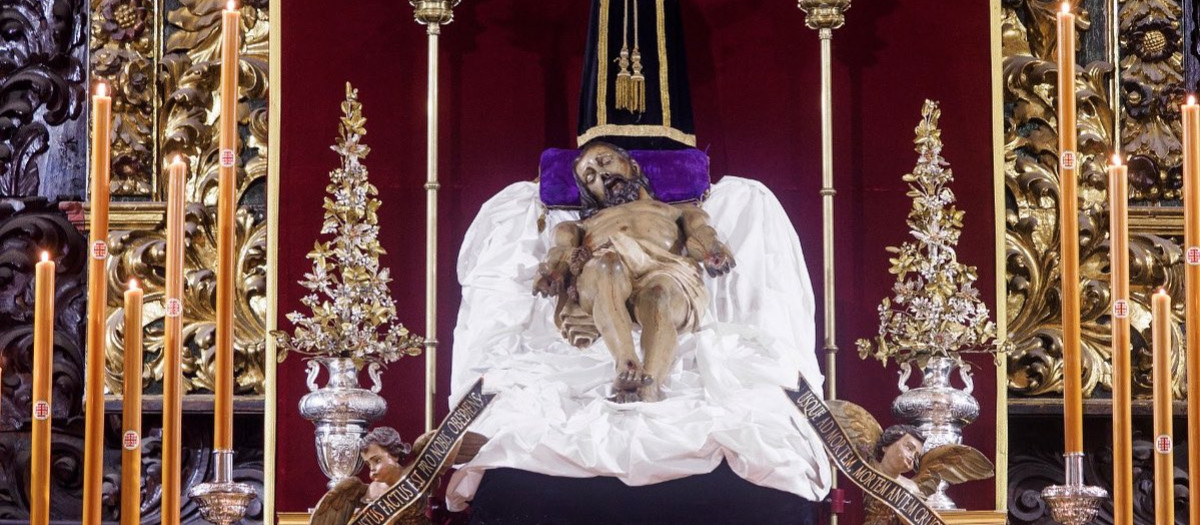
(222, 501)
(1074, 503)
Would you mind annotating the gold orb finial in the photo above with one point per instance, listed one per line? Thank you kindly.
(434, 13)
(824, 14)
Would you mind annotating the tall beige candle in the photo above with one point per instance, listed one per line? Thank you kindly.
(173, 349)
(226, 204)
(43, 370)
(1069, 232)
(131, 420)
(1118, 199)
(1191, 241)
(93, 410)
(1164, 463)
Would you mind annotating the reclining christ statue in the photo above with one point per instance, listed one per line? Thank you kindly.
(624, 256)
(644, 353)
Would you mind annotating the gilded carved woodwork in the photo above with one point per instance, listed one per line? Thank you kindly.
(175, 113)
(124, 44)
(140, 253)
(1152, 89)
(28, 226)
(1033, 291)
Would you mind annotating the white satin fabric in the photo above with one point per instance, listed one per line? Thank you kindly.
(723, 397)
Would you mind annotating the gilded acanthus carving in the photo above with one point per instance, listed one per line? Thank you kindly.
(1031, 215)
(41, 85)
(124, 43)
(139, 253)
(164, 88)
(1151, 91)
(181, 119)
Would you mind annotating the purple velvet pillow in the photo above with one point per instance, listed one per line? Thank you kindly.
(675, 175)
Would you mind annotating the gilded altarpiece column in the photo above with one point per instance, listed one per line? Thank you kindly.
(1138, 60)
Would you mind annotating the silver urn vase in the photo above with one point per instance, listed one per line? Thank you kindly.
(938, 409)
(342, 411)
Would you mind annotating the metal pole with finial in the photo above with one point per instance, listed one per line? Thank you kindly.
(825, 16)
(433, 14)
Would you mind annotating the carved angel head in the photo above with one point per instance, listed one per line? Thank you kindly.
(897, 450)
(384, 451)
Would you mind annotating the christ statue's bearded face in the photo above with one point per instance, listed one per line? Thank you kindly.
(609, 174)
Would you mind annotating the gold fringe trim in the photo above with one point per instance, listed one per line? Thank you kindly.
(664, 78)
(636, 130)
(602, 67)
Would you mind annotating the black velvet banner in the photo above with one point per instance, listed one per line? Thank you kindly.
(910, 507)
(429, 463)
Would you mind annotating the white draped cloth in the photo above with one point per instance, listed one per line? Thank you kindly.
(723, 399)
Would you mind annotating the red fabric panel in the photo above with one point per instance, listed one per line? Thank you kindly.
(510, 78)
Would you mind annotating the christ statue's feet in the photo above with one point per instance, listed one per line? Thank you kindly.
(632, 379)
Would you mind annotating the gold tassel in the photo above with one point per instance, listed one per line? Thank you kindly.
(637, 82)
(624, 88)
(637, 85)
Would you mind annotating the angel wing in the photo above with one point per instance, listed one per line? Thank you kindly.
(862, 427)
(338, 505)
(953, 464)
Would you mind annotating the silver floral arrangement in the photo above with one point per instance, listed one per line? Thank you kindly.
(353, 313)
(935, 309)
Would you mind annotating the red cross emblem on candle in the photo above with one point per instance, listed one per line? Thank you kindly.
(1120, 309)
(41, 410)
(1193, 255)
(227, 158)
(1162, 444)
(174, 307)
(100, 250)
(131, 440)
(1068, 160)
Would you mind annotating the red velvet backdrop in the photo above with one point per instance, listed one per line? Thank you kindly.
(510, 80)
